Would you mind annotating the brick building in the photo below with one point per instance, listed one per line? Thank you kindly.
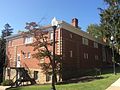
(78, 49)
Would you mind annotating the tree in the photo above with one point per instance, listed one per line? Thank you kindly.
(96, 31)
(110, 21)
(7, 31)
(41, 45)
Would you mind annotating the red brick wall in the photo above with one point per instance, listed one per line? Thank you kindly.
(70, 42)
(21, 48)
(72, 65)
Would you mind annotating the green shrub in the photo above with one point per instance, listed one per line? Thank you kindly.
(7, 82)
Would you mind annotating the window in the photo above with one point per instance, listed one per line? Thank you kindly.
(29, 55)
(51, 36)
(71, 53)
(24, 55)
(8, 72)
(18, 57)
(35, 75)
(85, 41)
(48, 77)
(42, 60)
(28, 40)
(70, 35)
(10, 43)
(51, 52)
(96, 57)
(95, 45)
(85, 55)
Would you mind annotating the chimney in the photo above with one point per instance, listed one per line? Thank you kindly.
(75, 22)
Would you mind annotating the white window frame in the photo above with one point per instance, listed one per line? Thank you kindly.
(48, 77)
(86, 56)
(29, 55)
(71, 36)
(95, 45)
(85, 41)
(25, 55)
(28, 40)
(51, 36)
(36, 75)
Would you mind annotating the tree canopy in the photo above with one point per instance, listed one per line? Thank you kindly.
(7, 31)
(95, 30)
(110, 21)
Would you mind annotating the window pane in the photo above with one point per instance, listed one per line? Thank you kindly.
(28, 40)
(51, 35)
(48, 77)
(95, 45)
(29, 55)
(35, 75)
(25, 56)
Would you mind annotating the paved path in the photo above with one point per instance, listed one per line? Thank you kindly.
(115, 85)
(4, 87)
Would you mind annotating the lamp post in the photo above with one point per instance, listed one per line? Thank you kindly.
(54, 24)
(113, 55)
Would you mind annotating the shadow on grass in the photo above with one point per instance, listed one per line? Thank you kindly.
(109, 70)
(14, 88)
(91, 75)
(83, 79)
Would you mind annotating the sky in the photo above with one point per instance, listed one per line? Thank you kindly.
(18, 12)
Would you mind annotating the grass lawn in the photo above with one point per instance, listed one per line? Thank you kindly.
(97, 84)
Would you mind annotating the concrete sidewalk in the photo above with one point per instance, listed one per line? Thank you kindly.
(4, 87)
(115, 85)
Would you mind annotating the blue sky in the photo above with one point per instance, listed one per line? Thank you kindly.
(18, 12)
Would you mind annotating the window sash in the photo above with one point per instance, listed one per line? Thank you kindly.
(28, 55)
(85, 41)
(28, 40)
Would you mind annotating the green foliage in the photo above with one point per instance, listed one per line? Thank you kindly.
(7, 82)
(110, 21)
(5, 32)
(95, 30)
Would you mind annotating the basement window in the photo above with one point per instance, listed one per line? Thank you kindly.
(48, 77)
(35, 75)
(8, 72)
